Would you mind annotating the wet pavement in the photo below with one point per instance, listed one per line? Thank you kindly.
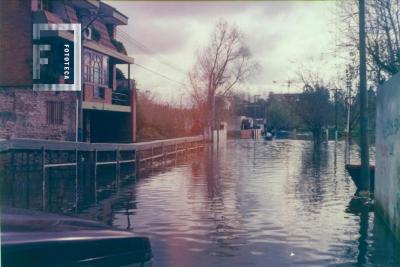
(251, 203)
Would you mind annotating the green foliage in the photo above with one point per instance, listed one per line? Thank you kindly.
(119, 74)
(315, 109)
(96, 35)
(119, 46)
(315, 105)
(281, 116)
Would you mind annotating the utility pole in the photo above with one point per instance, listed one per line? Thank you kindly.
(349, 74)
(363, 101)
(336, 115)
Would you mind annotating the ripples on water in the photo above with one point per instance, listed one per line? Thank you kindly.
(252, 203)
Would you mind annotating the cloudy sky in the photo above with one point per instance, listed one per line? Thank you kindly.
(283, 36)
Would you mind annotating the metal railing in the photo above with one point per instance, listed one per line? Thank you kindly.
(120, 98)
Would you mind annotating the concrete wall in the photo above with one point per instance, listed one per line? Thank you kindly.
(387, 172)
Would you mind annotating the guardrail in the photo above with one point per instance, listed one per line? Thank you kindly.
(119, 98)
(40, 155)
(37, 144)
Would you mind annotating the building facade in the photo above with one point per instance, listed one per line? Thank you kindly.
(105, 109)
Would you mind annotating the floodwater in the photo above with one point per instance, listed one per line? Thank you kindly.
(251, 203)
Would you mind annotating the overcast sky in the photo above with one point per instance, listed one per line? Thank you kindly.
(283, 36)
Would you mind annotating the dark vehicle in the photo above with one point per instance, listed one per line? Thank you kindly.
(30, 238)
(282, 134)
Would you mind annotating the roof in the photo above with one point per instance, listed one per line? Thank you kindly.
(112, 15)
(107, 15)
(122, 58)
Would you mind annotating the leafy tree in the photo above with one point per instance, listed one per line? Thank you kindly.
(120, 75)
(314, 108)
(280, 115)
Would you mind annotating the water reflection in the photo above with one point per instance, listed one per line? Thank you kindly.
(248, 204)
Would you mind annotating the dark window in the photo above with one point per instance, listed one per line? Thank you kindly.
(55, 112)
(87, 68)
(98, 92)
(95, 68)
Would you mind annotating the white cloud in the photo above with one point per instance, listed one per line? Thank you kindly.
(282, 36)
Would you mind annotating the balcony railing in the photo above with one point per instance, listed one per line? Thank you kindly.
(121, 98)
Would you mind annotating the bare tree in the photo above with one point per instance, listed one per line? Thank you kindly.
(224, 63)
(382, 33)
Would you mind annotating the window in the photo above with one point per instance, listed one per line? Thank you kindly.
(87, 68)
(55, 112)
(95, 68)
(98, 92)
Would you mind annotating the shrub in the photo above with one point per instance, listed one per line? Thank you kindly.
(119, 46)
(96, 35)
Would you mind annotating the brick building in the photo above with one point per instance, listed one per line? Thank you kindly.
(105, 109)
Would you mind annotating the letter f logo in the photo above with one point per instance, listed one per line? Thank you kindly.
(37, 48)
(37, 60)
(39, 30)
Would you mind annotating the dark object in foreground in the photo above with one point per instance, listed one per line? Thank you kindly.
(359, 205)
(355, 174)
(30, 238)
(269, 136)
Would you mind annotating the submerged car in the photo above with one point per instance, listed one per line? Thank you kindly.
(32, 238)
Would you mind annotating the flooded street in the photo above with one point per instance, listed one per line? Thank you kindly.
(253, 203)
(200, 133)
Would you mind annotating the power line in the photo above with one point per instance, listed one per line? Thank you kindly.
(159, 74)
(130, 40)
(149, 52)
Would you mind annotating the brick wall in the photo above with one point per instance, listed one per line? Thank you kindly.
(15, 42)
(22, 111)
(88, 94)
(23, 114)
